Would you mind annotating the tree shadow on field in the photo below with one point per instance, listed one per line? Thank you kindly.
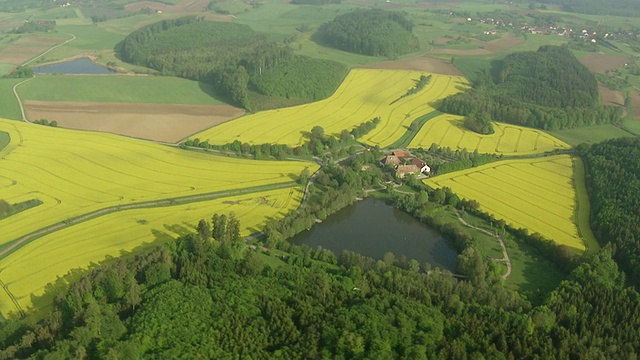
(175, 228)
(211, 90)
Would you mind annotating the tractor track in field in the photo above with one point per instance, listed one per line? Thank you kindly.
(21, 241)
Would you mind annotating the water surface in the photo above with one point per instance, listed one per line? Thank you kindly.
(371, 227)
(80, 66)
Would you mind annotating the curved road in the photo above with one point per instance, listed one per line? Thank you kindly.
(505, 255)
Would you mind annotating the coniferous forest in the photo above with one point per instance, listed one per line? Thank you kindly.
(546, 89)
(233, 57)
(369, 32)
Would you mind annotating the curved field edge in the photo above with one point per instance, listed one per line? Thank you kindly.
(536, 194)
(81, 172)
(449, 130)
(5, 139)
(363, 95)
(583, 206)
(27, 272)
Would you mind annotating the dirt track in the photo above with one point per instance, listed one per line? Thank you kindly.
(159, 122)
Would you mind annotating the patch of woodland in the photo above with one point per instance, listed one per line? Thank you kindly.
(547, 89)
(613, 182)
(233, 57)
(31, 26)
(371, 32)
(480, 123)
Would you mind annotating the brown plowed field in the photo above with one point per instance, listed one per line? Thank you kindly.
(158, 122)
(635, 104)
(610, 97)
(26, 48)
(427, 64)
(600, 63)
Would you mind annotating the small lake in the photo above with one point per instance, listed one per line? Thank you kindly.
(81, 66)
(371, 227)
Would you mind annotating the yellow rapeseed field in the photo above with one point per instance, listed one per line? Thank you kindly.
(536, 194)
(364, 95)
(27, 271)
(449, 130)
(75, 173)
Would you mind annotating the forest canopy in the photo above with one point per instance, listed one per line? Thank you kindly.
(369, 32)
(547, 89)
(233, 57)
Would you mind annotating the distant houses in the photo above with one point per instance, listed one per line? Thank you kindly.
(405, 163)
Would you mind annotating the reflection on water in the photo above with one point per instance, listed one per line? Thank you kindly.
(371, 227)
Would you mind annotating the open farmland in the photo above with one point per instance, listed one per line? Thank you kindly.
(119, 88)
(27, 271)
(364, 95)
(25, 48)
(159, 122)
(449, 131)
(536, 194)
(81, 173)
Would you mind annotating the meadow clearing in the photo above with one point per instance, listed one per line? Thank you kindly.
(536, 194)
(27, 271)
(363, 95)
(449, 131)
(80, 173)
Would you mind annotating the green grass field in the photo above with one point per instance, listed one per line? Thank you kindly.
(536, 194)
(119, 88)
(5, 139)
(590, 134)
(9, 107)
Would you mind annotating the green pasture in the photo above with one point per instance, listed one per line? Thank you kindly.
(583, 207)
(9, 108)
(589, 134)
(632, 125)
(5, 139)
(119, 88)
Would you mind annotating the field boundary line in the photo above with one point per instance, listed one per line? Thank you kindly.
(73, 37)
(583, 207)
(13, 298)
(16, 244)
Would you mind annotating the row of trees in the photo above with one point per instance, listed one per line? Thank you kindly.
(233, 57)
(423, 81)
(370, 32)
(547, 89)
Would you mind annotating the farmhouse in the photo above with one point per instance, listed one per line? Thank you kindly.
(424, 168)
(391, 160)
(403, 170)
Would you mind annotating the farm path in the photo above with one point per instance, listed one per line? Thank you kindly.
(505, 255)
(15, 87)
(15, 93)
(16, 244)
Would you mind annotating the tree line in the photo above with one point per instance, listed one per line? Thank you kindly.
(370, 32)
(613, 181)
(231, 56)
(546, 89)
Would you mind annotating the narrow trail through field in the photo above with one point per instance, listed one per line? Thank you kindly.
(505, 255)
(15, 87)
(17, 243)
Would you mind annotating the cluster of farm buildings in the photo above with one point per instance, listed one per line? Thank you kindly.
(403, 162)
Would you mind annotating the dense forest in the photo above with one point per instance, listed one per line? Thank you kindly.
(547, 89)
(233, 57)
(614, 189)
(369, 32)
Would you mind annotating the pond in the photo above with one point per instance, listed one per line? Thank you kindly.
(80, 66)
(372, 227)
